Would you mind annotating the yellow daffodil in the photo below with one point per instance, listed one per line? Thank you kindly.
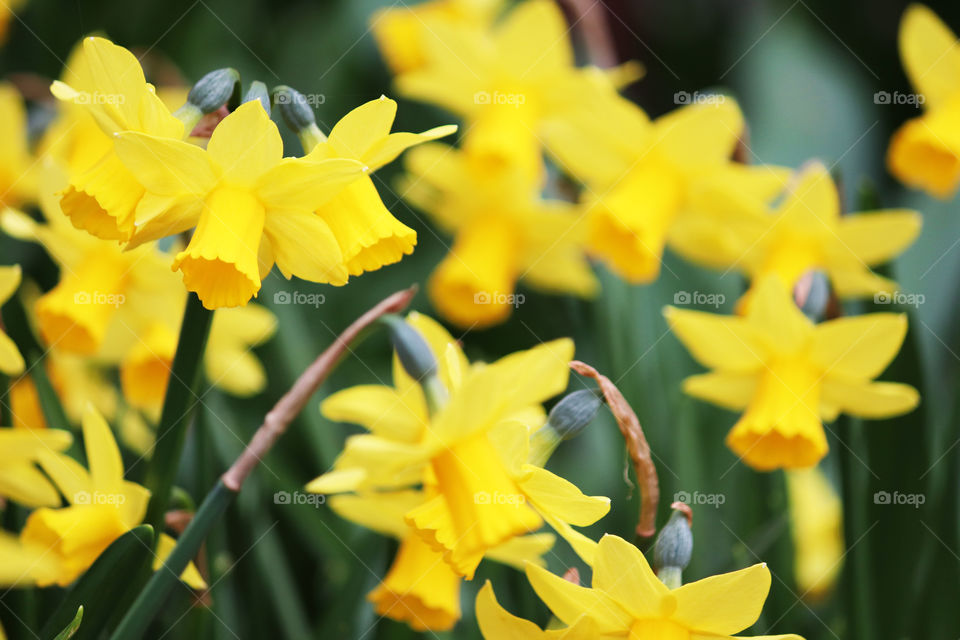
(7, 14)
(102, 507)
(816, 521)
(471, 455)
(805, 231)
(250, 206)
(367, 233)
(17, 179)
(11, 362)
(103, 195)
(420, 588)
(642, 177)
(627, 600)
(925, 152)
(789, 374)
(20, 449)
(510, 80)
(504, 231)
(400, 31)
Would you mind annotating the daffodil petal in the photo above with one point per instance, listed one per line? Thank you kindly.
(719, 342)
(246, 144)
(723, 604)
(859, 347)
(729, 390)
(165, 167)
(621, 571)
(561, 498)
(304, 246)
(869, 399)
(569, 601)
(381, 410)
(930, 55)
(496, 623)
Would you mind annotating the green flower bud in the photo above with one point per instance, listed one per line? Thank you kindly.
(412, 350)
(673, 549)
(214, 90)
(258, 91)
(296, 111)
(566, 420)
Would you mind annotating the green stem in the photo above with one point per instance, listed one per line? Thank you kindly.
(178, 407)
(139, 616)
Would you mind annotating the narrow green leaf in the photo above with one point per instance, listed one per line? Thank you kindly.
(71, 628)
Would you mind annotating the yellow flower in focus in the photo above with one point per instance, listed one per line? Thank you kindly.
(420, 588)
(17, 180)
(20, 480)
(250, 206)
(472, 455)
(367, 233)
(400, 31)
(504, 232)
(804, 232)
(789, 374)
(11, 362)
(816, 521)
(628, 600)
(105, 79)
(102, 507)
(642, 178)
(925, 152)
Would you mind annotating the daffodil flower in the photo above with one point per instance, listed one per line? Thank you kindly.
(250, 206)
(420, 588)
(642, 177)
(925, 152)
(11, 362)
(804, 232)
(789, 374)
(504, 232)
(627, 599)
(20, 479)
(367, 233)
(106, 80)
(816, 523)
(17, 179)
(472, 455)
(102, 507)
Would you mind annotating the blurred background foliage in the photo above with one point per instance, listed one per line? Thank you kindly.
(805, 73)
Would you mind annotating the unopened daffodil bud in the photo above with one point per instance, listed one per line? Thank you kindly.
(566, 420)
(417, 359)
(258, 91)
(211, 92)
(812, 295)
(298, 114)
(673, 548)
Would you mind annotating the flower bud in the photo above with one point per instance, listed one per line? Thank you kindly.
(296, 111)
(673, 549)
(258, 91)
(412, 350)
(812, 294)
(214, 90)
(566, 420)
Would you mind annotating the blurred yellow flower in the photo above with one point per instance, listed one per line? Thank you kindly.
(7, 13)
(401, 31)
(627, 599)
(17, 178)
(472, 455)
(20, 480)
(816, 522)
(925, 152)
(642, 178)
(367, 233)
(106, 80)
(504, 232)
(11, 362)
(805, 231)
(102, 507)
(789, 374)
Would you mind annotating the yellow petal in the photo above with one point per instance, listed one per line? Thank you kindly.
(296, 184)
(304, 246)
(23, 483)
(859, 347)
(869, 399)
(379, 409)
(363, 127)
(723, 604)
(621, 571)
(925, 152)
(533, 36)
(11, 362)
(775, 315)
(930, 55)
(568, 602)
(561, 498)
(191, 575)
(103, 455)
(878, 236)
(729, 390)
(381, 511)
(164, 166)
(718, 342)
(496, 623)
(517, 552)
(387, 149)
(700, 134)
(246, 144)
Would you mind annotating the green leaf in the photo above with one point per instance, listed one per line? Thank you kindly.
(102, 589)
(71, 629)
